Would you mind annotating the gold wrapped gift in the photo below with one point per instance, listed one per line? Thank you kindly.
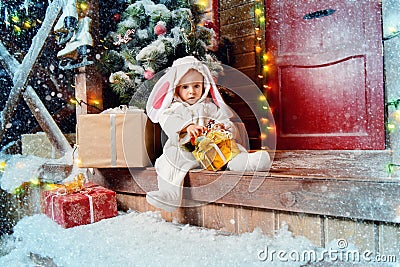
(69, 187)
(215, 149)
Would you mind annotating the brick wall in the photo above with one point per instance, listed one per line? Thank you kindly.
(237, 24)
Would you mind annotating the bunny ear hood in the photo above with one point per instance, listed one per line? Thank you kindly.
(163, 91)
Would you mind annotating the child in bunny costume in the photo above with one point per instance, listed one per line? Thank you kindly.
(182, 102)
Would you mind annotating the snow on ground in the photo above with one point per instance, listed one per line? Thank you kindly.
(141, 239)
(145, 239)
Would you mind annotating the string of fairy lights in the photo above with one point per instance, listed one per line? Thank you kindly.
(391, 30)
(21, 17)
(260, 49)
(393, 126)
(262, 66)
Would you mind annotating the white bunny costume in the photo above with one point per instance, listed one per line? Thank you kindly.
(174, 115)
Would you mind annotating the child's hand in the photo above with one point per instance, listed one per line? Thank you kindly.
(195, 130)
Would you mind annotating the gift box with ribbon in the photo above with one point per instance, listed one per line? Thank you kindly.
(215, 148)
(119, 139)
(91, 204)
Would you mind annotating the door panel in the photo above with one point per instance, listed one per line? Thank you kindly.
(327, 74)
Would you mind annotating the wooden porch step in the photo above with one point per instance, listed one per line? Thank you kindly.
(307, 190)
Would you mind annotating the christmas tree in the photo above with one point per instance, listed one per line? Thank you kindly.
(149, 37)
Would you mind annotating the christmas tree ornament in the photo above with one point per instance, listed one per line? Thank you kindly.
(117, 17)
(148, 74)
(209, 24)
(160, 28)
(126, 37)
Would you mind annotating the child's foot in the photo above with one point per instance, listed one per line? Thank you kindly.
(251, 162)
(163, 200)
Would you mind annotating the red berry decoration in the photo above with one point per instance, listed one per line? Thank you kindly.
(148, 74)
(209, 24)
(160, 29)
(117, 17)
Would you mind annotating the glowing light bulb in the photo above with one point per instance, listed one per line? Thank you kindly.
(266, 68)
(262, 98)
(17, 29)
(262, 19)
(50, 186)
(18, 191)
(258, 49)
(27, 24)
(83, 6)
(34, 181)
(391, 127)
(390, 168)
(396, 115)
(258, 11)
(271, 128)
(203, 3)
(392, 29)
(15, 18)
(263, 136)
(3, 165)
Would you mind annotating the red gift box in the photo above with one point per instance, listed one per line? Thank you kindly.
(90, 205)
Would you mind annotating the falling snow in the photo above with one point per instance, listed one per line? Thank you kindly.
(145, 239)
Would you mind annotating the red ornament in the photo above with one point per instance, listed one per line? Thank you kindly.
(209, 24)
(117, 17)
(148, 74)
(160, 29)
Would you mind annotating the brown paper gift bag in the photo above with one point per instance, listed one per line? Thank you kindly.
(117, 140)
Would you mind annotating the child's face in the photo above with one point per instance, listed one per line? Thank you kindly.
(190, 87)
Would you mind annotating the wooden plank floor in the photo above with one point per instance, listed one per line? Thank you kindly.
(363, 164)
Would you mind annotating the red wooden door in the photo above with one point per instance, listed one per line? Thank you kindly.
(326, 78)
